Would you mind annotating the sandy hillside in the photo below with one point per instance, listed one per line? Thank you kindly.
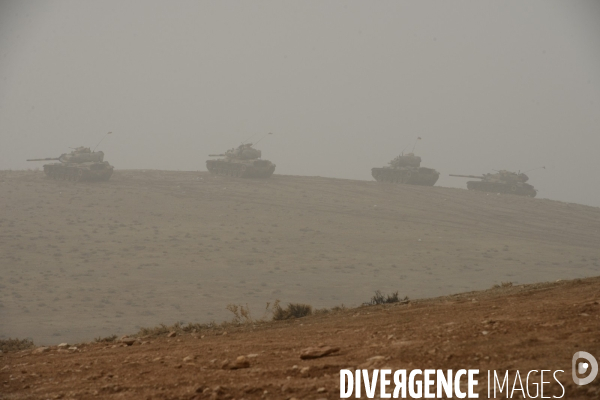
(81, 260)
(523, 328)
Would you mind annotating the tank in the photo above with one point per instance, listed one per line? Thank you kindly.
(242, 162)
(81, 164)
(501, 182)
(406, 168)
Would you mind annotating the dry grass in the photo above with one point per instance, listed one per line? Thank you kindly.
(293, 310)
(380, 298)
(108, 339)
(241, 313)
(7, 345)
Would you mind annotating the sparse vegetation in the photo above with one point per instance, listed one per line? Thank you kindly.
(178, 327)
(242, 316)
(502, 285)
(241, 313)
(380, 298)
(7, 345)
(293, 310)
(107, 339)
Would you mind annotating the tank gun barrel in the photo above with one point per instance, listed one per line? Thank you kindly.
(44, 159)
(468, 176)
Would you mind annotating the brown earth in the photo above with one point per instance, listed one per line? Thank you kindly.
(82, 260)
(531, 327)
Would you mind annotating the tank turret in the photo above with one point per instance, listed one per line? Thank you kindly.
(81, 164)
(501, 182)
(406, 168)
(243, 161)
(408, 160)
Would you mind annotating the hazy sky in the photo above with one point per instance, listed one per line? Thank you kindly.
(344, 86)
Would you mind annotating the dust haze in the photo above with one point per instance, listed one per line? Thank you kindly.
(343, 87)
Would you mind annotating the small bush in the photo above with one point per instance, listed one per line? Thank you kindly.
(158, 330)
(7, 345)
(108, 339)
(241, 313)
(293, 310)
(380, 298)
(178, 327)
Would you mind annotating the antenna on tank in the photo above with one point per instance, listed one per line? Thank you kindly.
(264, 136)
(103, 137)
(245, 141)
(414, 145)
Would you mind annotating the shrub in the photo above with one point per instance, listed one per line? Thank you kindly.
(108, 339)
(7, 345)
(380, 298)
(178, 327)
(241, 313)
(293, 310)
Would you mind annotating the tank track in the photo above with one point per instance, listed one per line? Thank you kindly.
(257, 169)
(522, 189)
(411, 176)
(77, 173)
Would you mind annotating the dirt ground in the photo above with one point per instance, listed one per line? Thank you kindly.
(523, 328)
(147, 247)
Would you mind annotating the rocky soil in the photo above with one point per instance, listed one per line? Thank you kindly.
(529, 327)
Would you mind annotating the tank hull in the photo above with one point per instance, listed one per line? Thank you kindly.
(92, 171)
(407, 175)
(520, 189)
(241, 169)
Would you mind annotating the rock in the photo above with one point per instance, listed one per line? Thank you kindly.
(72, 348)
(252, 356)
(321, 390)
(200, 389)
(40, 350)
(128, 341)
(304, 371)
(317, 352)
(172, 334)
(239, 363)
(63, 346)
(188, 359)
(372, 362)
